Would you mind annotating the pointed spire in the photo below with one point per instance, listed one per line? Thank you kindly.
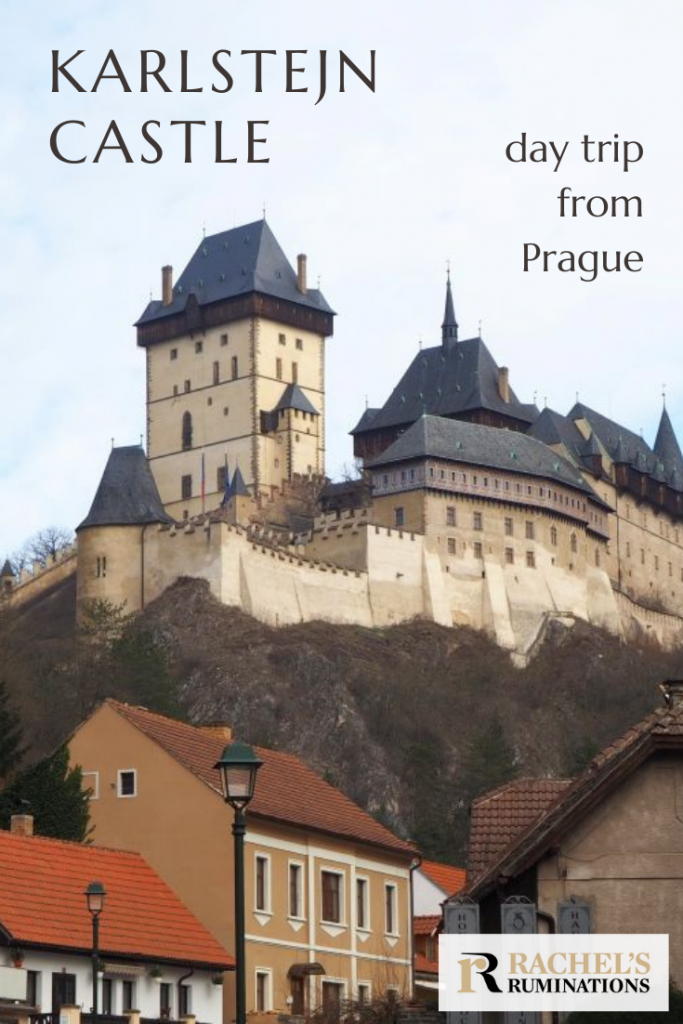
(238, 488)
(226, 486)
(620, 451)
(7, 572)
(666, 444)
(449, 327)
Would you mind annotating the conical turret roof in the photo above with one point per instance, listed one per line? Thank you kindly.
(666, 444)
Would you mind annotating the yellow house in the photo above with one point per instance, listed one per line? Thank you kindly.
(328, 889)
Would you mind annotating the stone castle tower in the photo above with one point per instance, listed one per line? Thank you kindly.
(235, 372)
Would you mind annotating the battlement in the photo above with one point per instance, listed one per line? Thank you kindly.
(29, 583)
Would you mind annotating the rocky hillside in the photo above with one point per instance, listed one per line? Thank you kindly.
(411, 721)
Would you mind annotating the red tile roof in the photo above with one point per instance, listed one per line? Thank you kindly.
(42, 882)
(449, 879)
(425, 966)
(499, 816)
(286, 790)
(662, 730)
(426, 924)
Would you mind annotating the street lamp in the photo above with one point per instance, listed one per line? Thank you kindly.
(95, 896)
(238, 767)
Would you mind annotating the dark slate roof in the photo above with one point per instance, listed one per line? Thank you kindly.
(666, 445)
(127, 494)
(233, 263)
(451, 381)
(552, 427)
(633, 448)
(237, 485)
(365, 421)
(294, 398)
(7, 569)
(488, 447)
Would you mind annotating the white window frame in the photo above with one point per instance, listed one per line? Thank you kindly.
(342, 922)
(301, 916)
(260, 855)
(127, 771)
(190, 999)
(328, 979)
(394, 888)
(367, 926)
(364, 984)
(267, 973)
(94, 786)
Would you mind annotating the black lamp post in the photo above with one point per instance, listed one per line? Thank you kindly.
(238, 767)
(95, 896)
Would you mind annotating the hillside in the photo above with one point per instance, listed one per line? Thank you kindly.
(409, 721)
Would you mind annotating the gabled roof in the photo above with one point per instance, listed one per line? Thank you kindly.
(609, 433)
(449, 879)
(451, 381)
(501, 815)
(234, 263)
(365, 421)
(7, 570)
(662, 730)
(666, 445)
(426, 924)
(42, 882)
(294, 398)
(488, 447)
(552, 428)
(287, 790)
(127, 494)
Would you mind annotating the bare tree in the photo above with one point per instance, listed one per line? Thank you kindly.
(44, 547)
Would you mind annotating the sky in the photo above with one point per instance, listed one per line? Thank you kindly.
(380, 189)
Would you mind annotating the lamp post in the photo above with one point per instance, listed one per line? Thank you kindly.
(238, 767)
(95, 896)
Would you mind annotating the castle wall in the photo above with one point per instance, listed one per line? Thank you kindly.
(29, 585)
(110, 565)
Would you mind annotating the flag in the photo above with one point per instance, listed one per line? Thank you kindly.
(203, 480)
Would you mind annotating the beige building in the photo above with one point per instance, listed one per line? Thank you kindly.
(327, 887)
(235, 371)
(609, 840)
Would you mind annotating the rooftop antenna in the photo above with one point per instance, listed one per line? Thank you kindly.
(112, 444)
(367, 404)
(545, 401)
(264, 209)
(419, 343)
(319, 280)
(480, 322)
(141, 440)
(577, 397)
(664, 396)
(203, 229)
(535, 396)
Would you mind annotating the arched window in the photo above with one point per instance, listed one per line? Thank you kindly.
(187, 430)
(573, 542)
(553, 536)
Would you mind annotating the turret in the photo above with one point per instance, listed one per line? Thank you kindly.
(449, 327)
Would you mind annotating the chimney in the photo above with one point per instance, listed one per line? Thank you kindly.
(301, 273)
(167, 285)
(219, 730)
(504, 383)
(673, 692)
(21, 824)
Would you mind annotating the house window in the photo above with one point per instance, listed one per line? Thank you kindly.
(278, 368)
(63, 990)
(127, 782)
(529, 530)
(234, 367)
(332, 896)
(184, 1000)
(363, 993)
(128, 996)
(173, 354)
(390, 915)
(199, 346)
(216, 373)
(362, 911)
(107, 996)
(262, 896)
(450, 516)
(477, 521)
(299, 344)
(165, 1000)
(451, 545)
(282, 339)
(530, 560)
(101, 571)
(295, 373)
(296, 903)
(224, 340)
(33, 988)
(263, 991)
(333, 994)
(187, 431)
(399, 516)
(509, 556)
(553, 536)
(186, 487)
(91, 783)
(509, 526)
(187, 386)
(478, 550)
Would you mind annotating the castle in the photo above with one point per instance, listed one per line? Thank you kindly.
(473, 507)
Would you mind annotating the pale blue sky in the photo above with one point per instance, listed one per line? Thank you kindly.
(379, 191)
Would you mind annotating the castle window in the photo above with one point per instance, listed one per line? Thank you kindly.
(216, 373)
(385, 479)
(656, 563)
(403, 475)
(175, 389)
(199, 346)
(173, 354)
(442, 474)
(528, 490)
(234, 366)
(671, 569)
(477, 521)
(224, 340)
(530, 560)
(412, 474)
(226, 410)
(101, 570)
(464, 478)
(278, 368)
(450, 516)
(295, 373)
(573, 543)
(529, 530)
(553, 536)
(597, 556)
(186, 487)
(486, 481)
(642, 556)
(451, 545)
(187, 431)
(187, 386)
(475, 479)
(209, 400)
(509, 556)
(399, 516)
(628, 548)
(221, 477)
(507, 485)
(478, 550)
(281, 338)
(299, 344)
(509, 526)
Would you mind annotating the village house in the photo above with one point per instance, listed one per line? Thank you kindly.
(327, 887)
(599, 853)
(156, 959)
(433, 883)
